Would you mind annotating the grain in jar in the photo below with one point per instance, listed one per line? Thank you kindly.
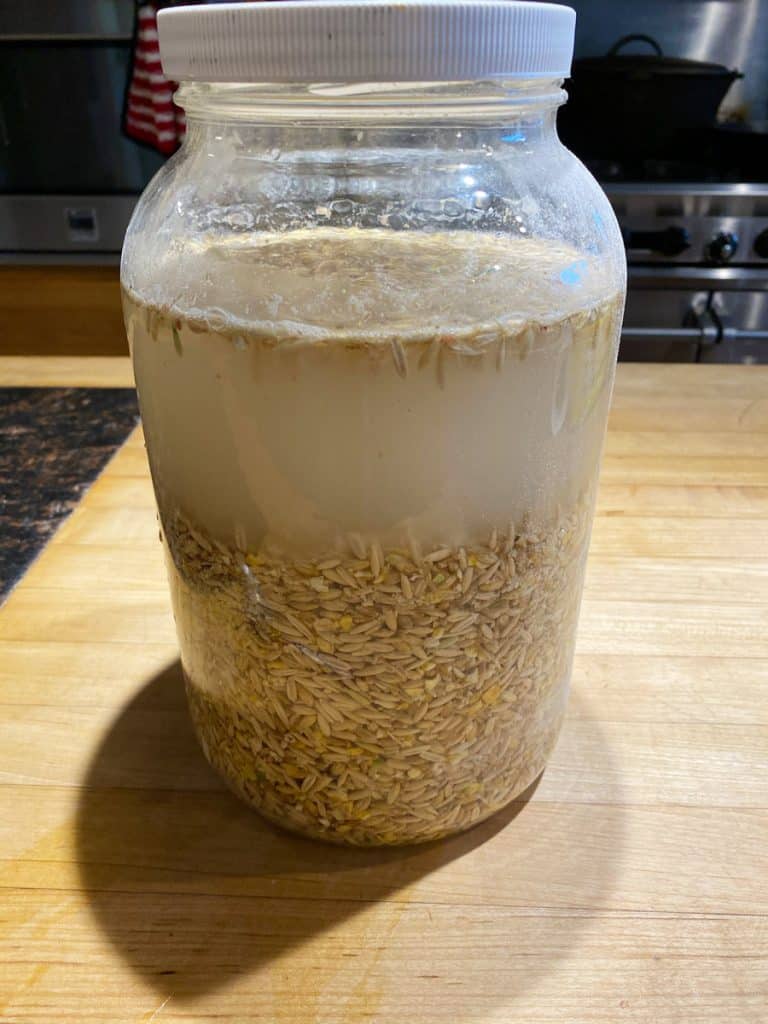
(375, 582)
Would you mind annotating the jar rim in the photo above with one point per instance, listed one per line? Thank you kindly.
(502, 99)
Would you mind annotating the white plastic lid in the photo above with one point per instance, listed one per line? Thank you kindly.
(366, 41)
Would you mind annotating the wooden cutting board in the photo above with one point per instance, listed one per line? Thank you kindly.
(633, 887)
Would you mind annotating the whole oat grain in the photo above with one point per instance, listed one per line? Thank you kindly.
(367, 697)
(346, 688)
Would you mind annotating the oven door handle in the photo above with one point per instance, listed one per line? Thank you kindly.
(708, 335)
(677, 276)
(695, 334)
(737, 334)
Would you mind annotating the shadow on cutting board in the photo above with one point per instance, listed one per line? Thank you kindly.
(194, 890)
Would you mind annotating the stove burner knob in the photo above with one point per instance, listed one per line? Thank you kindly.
(761, 245)
(722, 247)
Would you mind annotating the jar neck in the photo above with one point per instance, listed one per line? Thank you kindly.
(450, 103)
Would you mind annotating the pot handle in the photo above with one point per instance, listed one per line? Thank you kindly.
(635, 38)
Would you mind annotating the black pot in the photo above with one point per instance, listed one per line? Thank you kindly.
(640, 106)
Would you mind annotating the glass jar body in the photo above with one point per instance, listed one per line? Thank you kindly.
(374, 336)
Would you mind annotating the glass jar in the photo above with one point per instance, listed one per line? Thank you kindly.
(374, 328)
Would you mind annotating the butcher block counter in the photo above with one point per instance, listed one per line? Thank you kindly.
(630, 886)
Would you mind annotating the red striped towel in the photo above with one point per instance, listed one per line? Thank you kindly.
(151, 116)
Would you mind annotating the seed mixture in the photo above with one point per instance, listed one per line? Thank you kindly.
(377, 696)
(296, 385)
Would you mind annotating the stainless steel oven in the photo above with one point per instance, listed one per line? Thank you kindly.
(698, 271)
(68, 176)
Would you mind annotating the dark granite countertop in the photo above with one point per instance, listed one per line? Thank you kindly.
(54, 442)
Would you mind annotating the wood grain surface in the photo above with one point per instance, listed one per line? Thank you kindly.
(61, 311)
(632, 885)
